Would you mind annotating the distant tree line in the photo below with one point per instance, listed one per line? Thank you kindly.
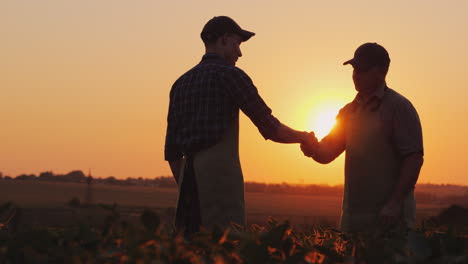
(78, 176)
(316, 189)
(426, 193)
(73, 176)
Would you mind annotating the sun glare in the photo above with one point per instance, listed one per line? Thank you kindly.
(322, 119)
(317, 110)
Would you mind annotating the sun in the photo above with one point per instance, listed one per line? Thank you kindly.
(317, 111)
(322, 119)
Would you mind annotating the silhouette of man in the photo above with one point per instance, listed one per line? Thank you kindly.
(203, 130)
(381, 134)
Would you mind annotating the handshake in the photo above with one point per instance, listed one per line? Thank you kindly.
(309, 143)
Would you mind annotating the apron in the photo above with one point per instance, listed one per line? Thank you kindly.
(211, 190)
(371, 170)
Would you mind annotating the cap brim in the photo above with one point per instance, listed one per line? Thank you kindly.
(246, 35)
(351, 61)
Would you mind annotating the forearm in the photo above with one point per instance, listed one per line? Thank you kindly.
(324, 151)
(411, 166)
(176, 167)
(284, 134)
(324, 155)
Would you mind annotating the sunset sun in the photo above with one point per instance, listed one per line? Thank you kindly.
(322, 118)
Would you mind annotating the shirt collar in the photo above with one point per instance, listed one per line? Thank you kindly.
(213, 57)
(378, 94)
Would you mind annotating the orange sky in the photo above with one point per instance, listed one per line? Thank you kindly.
(85, 84)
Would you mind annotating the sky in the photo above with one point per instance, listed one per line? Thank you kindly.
(85, 84)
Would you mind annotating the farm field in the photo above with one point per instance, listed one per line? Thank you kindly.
(48, 225)
(46, 203)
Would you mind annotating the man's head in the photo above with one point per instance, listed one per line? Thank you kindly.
(222, 35)
(370, 63)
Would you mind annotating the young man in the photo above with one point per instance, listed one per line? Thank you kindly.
(381, 134)
(203, 130)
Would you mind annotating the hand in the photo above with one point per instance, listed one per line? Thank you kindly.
(390, 214)
(305, 137)
(309, 144)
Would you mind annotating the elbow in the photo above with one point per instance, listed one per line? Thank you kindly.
(322, 159)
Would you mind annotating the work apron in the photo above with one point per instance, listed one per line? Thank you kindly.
(372, 168)
(211, 189)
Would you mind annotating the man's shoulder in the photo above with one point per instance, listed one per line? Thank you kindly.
(214, 70)
(397, 100)
(201, 68)
(223, 69)
(233, 74)
(346, 110)
(234, 70)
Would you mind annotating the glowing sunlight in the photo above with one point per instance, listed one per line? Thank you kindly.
(322, 118)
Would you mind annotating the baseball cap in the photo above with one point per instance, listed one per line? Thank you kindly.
(219, 25)
(369, 55)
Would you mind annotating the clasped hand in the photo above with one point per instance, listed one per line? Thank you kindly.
(309, 144)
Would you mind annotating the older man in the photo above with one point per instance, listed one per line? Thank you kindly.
(381, 134)
(203, 130)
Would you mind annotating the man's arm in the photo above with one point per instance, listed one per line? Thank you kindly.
(172, 152)
(244, 93)
(324, 151)
(410, 168)
(331, 146)
(285, 134)
(407, 139)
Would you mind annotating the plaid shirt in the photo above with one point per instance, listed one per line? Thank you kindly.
(205, 100)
